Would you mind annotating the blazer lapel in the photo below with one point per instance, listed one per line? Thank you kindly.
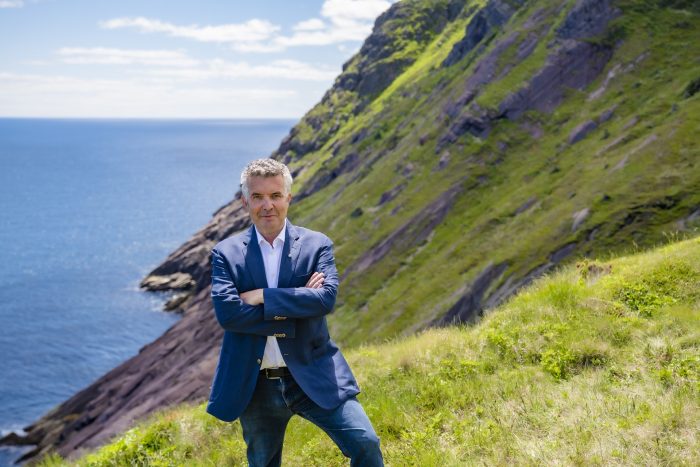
(254, 261)
(290, 253)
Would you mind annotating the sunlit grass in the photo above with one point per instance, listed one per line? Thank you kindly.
(570, 371)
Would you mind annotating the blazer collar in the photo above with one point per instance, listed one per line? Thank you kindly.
(290, 253)
(253, 259)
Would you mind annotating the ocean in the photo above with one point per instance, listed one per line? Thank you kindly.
(88, 208)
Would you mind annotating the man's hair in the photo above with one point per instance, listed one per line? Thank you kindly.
(265, 168)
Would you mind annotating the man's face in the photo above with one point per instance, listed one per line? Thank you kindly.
(267, 204)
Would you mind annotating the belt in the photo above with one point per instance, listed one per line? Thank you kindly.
(275, 373)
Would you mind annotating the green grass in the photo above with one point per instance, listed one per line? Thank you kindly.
(636, 205)
(596, 365)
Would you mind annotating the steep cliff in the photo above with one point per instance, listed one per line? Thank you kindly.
(468, 148)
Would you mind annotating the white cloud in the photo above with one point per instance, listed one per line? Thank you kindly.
(258, 47)
(222, 69)
(344, 11)
(11, 3)
(108, 56)
(45, 95)
(253, 30)
(350, 21)
(176, 64)
(346, 21)
(312, 24)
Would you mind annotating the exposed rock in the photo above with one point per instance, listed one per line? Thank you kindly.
(379, 76)
(579, 217)
(606, 115)
(689, 221)
(390, 194)
(407, 169)
(469, 307)
(604, 86)
(175, 281)
(359, 136)
(526, 47)
(379, 62)
(573, 65)
(476, 300)
(692, 88)
(647, 141)
(630, 123)
(444, 160)
(410, 234)
(495, 14)
(475, 125)
(526, 205)
(326, 175)
(561, 253)
(473, 120)
(176, 301)
(581, 131)
(587, 18)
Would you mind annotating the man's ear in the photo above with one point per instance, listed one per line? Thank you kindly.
(244, 201)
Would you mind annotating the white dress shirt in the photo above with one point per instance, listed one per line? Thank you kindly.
(272, 257)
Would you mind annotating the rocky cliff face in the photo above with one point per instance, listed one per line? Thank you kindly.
(465, 150)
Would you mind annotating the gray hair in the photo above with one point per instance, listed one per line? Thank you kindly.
(265, 168)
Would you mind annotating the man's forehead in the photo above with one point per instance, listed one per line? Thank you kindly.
(266, 184)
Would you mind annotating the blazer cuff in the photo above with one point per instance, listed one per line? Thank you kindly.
(271, 309)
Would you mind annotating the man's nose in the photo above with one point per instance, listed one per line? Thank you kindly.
(267, 203)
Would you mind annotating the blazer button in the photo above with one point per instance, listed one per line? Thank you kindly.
(279, 318)
(281, 335)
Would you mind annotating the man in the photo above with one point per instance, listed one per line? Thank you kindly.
(272, 286)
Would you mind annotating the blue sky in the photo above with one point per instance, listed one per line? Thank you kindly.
(176, 58)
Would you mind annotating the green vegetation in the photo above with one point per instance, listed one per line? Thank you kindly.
(634, 175)
(596, 365)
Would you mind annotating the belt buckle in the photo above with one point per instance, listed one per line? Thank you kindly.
(267, 374)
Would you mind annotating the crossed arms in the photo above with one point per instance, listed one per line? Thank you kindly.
(272, 311)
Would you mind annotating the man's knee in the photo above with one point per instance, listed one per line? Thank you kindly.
(365, 443)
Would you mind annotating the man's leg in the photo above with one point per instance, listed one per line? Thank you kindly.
(264, 422)
(347, 425)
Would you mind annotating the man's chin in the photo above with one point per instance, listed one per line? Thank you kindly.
(269, 225)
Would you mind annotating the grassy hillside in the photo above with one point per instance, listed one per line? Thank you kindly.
(423, 202)
(598, 364)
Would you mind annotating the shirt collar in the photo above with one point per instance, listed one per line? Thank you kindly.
(282, 236)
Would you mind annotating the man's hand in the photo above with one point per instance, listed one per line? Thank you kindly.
(315, 281)
(253, 297)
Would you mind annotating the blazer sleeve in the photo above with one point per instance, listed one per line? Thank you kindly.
(303, 302)
(235, 315)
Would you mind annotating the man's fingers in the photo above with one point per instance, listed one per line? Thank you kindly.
(245, 296)
(315, 281)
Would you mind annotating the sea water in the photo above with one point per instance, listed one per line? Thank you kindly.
(87, 209)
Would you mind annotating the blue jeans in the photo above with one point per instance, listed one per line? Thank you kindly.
(275, 401)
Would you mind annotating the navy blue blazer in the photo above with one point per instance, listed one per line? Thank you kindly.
(295, 314)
